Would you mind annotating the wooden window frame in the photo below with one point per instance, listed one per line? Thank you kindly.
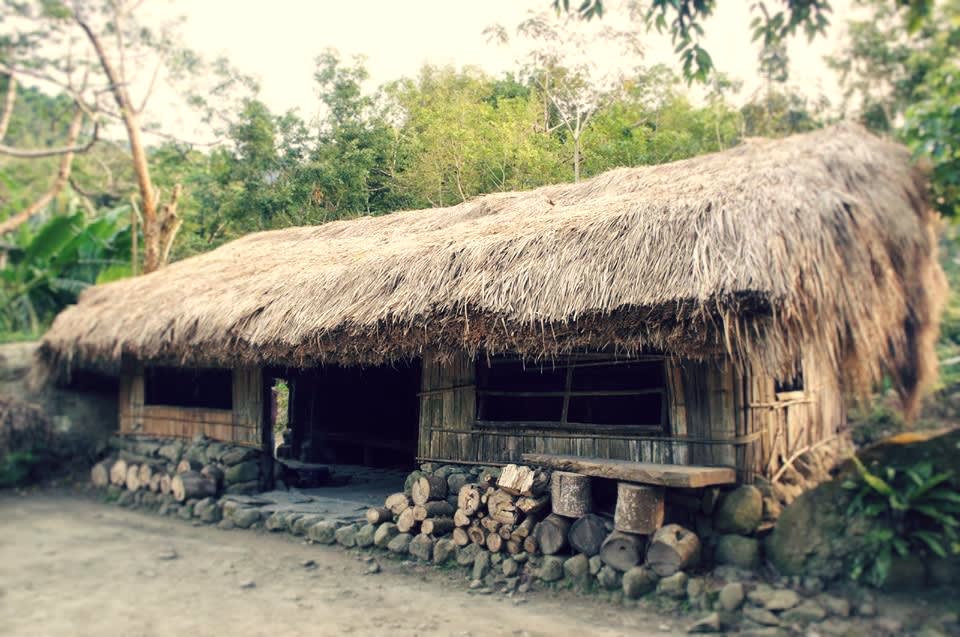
(564, 425)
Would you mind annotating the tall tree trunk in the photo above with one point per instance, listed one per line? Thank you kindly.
(158, 233)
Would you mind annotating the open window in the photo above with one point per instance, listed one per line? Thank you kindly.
(179, 387)
(582, 392)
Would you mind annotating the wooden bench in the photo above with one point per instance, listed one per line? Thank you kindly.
(666, 475)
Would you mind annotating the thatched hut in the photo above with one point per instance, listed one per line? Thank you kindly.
(712, 311)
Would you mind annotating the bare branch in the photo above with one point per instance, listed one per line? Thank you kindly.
(36, 153)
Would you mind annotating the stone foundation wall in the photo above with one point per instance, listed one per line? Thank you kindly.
(83, 419)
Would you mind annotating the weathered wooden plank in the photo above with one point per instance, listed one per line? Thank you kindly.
(679, 476)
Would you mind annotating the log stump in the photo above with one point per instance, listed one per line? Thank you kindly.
(622, 551)
(428, 488)
(397, 503)
(166, 484)
(570, 494)
(133, 477)
(501, 507)
(436, 526)
(188, 465)
(673, 548)
(522, 480)
(468, 500)
(587, 534)
(639, 508)
(433, 509)
(190, 485)
(494, 542)
(379, 515)
(215, 473)
(118, 473)
(406, 522)
(550, 534)
(460, 518)
(476, 534)
(100, 473)
(460, 536)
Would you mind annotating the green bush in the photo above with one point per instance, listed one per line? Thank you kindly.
(916, 509)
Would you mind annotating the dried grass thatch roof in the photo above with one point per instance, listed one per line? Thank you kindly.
(819, 244)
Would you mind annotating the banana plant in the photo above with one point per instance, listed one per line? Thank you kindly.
(48, 266)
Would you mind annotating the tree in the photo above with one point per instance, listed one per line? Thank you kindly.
(113, 53)
(899, 71)
(561, 65)
(684, 21)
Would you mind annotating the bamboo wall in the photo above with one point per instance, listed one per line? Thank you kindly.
(241, 425)
(718, 416)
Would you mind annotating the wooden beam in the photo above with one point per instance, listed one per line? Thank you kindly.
(668, 475)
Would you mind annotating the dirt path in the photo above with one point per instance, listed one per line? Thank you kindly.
(72, 566)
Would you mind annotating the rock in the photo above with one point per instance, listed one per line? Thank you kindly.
(481, 565)
(455, 482)
(905, 574)
(208, 511)
(167, 554)
(674, 586)
(867, 609)
(889, 625)
(400, 544)
(186, 512)
(373, 568)
(696, 586)
(323, 532)
(309, 564)
(771, 508)
(510, 567)
(838, 606)
(638, 581)
(761, 616)
(301, 524)
(365, 536)
(709, 624)
(731, 596)
(384, 534)
(236, 455)
(577, 567)
(244, 518)
(765, 631)
(243, 488)
(609, 578)
(346, 535)
(595, 564)
(736, 550)
(248, 584)
(243, 472)
(740, 511)
(468, 554)
(125, 499)
(944, 572)
(781, 599)
(421, 547)
(806, 612)
(495, 558)
(276, 522)
(552, 568)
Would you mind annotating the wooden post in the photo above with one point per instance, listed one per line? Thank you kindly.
(266, 429)
(570, 494)
(639, 508)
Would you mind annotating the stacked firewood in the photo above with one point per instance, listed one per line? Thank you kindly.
(496, 512)
(501, 513)
(185, 480)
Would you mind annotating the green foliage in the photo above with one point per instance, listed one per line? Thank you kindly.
(916, 510)
(50, 265)
(17, 468)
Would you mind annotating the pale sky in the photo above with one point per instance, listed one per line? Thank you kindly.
(277, 41)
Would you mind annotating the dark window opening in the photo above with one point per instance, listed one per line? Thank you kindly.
(578, 392)
(794, 383)
(90, 381)
(180, 387)
(357, 415)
